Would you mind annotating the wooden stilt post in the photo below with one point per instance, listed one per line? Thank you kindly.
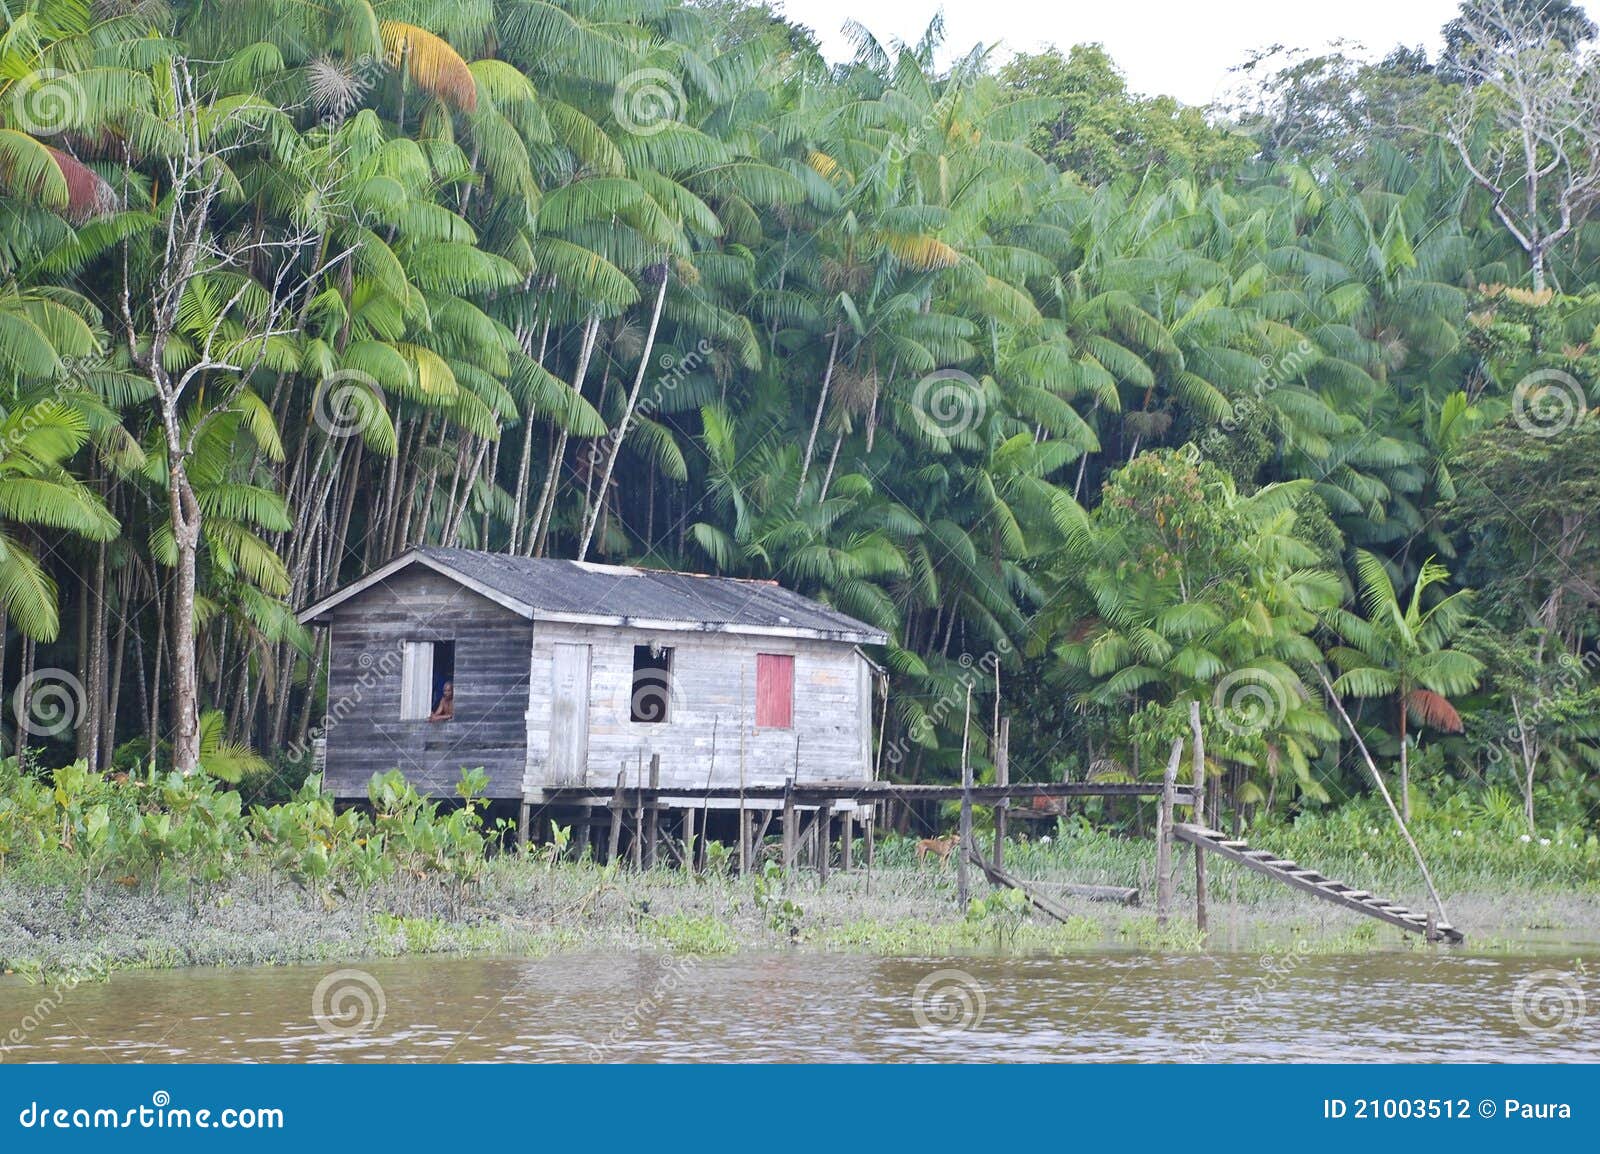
(963, 893)
(758, 835)
(1002, 776)
(522, 825)
(788, 826)
(1169, 785)
(744, 816)
(581, 832)
(653, 817)
(1199, 815)
(616, 816)
(688, 838)
(872, 825)
(824, 845)
(847, 837)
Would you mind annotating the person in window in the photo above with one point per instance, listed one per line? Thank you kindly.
(446, 709)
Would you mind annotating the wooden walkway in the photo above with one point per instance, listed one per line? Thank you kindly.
(1310, 881)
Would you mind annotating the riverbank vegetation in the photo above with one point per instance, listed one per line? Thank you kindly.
(167, 870)
(1251, 405)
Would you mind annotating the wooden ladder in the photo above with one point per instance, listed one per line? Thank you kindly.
(1310, 881)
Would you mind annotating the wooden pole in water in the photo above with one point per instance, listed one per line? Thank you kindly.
(1169, 785)
(966, 807)
(653, 817)
(1199, 815)
(1002, 776)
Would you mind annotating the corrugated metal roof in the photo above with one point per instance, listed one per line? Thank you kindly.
(553, 586)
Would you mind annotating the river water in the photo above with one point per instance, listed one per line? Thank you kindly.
(1100, 1006)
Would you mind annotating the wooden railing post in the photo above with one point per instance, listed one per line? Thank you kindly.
(1002, 776)
(788, 826)
(653, 814)
(1199, 815)
(965, 835)
(616, 816)
(1169, 786)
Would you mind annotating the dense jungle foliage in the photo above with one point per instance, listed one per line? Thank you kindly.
(1274, 405)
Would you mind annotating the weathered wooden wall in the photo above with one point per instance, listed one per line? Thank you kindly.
(365, 734)
(714, 680)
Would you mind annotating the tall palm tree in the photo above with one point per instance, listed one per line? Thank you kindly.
(1402, 652)
(36, 442)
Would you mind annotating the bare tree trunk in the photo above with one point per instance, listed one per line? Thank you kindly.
(547, 499)
(185, 513)
(822, 404)
(592, 517)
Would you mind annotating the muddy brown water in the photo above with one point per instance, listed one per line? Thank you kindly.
(1104, 1006)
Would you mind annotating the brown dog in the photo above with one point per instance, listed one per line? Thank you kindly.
(940, 847)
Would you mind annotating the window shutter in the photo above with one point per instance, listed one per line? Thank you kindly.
(416, 681)
(774, 691)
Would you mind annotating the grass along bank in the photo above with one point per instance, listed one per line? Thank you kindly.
(109, 872)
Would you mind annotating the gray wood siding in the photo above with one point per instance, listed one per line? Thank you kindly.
(713, 680)
(364, 732)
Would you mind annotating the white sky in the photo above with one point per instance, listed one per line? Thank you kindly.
(1179, 47)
